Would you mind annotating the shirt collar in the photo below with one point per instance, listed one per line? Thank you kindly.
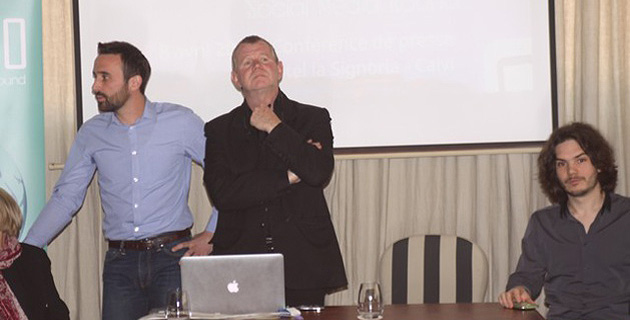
(279, 108)
(278, 105)
(606, 206)
(149, 113)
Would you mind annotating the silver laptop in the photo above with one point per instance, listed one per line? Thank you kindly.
(234, 284)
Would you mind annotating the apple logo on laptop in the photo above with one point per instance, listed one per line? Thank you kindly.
(233, 287)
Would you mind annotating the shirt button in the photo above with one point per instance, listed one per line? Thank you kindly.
(133, 153)
(135, 179)
(135, 205)
(262, 225)
(136, 229)
(266, 209)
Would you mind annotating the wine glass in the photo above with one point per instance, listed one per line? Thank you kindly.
(370, 303)
(177, 305)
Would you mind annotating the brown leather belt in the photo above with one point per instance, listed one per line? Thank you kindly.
(149, 243)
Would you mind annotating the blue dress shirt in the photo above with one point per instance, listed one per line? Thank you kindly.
(143, 174)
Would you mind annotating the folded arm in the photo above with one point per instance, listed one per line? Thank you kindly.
(235, 182)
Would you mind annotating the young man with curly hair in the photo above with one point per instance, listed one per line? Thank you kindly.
(578, 249)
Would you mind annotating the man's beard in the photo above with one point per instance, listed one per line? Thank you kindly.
(583, 192)
(113, 103)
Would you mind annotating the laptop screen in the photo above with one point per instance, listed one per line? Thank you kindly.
(234, 284)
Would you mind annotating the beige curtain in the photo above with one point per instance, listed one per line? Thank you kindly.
(593, 67)
(486, 197)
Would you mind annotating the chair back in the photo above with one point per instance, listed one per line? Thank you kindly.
(433, 269)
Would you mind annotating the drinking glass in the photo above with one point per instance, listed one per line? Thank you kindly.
(370, 304)
(177, 305)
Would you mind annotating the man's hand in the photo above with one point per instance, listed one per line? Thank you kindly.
(293, 178)
(263, 118)
(517, 294)
(199, 245)
(317, 145)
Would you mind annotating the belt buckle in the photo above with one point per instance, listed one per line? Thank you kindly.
(269, 244)
(148, 244)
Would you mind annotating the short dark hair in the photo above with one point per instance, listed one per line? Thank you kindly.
(594, 145)
(134, 62)
(250, 40)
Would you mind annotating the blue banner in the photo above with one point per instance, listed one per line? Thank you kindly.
(22, 159)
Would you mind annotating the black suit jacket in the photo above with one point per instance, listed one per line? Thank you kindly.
(246, 179)
(32, 283)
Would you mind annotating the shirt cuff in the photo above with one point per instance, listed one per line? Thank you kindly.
(212, 223)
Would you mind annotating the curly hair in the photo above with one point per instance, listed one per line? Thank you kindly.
(594, 145)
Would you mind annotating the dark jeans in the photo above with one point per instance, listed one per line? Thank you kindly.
(135, 282)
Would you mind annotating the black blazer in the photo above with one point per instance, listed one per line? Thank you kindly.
(32, 283)
(246, 178)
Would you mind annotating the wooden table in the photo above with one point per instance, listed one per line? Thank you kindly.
(458, 311)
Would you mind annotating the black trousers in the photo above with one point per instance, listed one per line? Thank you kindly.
(309, 297)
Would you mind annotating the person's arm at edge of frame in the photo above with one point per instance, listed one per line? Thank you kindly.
(56, 307)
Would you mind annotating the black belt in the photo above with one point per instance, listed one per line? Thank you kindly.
(150, 243)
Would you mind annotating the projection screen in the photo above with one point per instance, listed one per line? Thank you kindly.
(391, 73)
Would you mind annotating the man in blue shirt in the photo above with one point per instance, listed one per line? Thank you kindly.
(143, 152)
